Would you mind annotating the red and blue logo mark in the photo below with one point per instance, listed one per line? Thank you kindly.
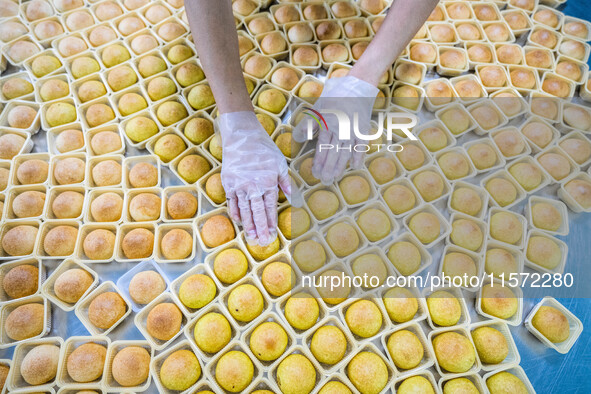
(317, 116)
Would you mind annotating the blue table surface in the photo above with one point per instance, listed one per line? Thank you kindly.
(549, 371)
(578, 8)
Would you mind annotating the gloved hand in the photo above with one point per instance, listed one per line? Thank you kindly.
(352, 97)
(252, 167)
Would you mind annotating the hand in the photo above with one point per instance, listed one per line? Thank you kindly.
(252, 168)
(351, 96)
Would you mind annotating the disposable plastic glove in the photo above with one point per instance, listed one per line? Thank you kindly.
(252, 167)
(353, 97)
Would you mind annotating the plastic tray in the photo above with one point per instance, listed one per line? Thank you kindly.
(563, 250)
(444, 224)
(428, 359)
(568, 199)
(81, 308)
(457, 294)
(575, 326)
(516, 371)
(63, 378)
(514, 320)
(15, 381)
(462, 331)
(109, 382)
(6, 267)
(560, 206)
(83, 232)
(476, 258)
(513, 357)
(48, 286)
(141, 321)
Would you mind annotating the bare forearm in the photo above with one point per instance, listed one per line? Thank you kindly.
(213, 30)
(403, 21)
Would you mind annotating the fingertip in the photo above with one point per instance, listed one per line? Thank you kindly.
(269, 240)
(264, 240)
(296, 199)
(317, 170)
(327, 180)
(357, 163)
(251, 238)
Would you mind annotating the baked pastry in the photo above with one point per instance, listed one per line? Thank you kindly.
(67, 205)
(106, 173)
(28, 204)
(145, 207)
(145, 286)
(69, 170)
(106, 309)
(181, 205)
(131, 366)
(4, 369)
(85, 364)
(216, 231)
(25, 321)
(60, 241)
(39, 365)
(99, 244)
(20, 240)
(32, 171)
(176, 244)
(71, 285)
(164, 321)
(138, 243)
(21, 281)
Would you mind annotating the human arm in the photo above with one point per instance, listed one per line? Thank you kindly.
(213, 30)
(252, 165)
(355, 93)
(403, 21)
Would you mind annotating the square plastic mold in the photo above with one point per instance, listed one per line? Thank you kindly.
(15, 381)
(477, 259)
(48, 285)
(82, 308)
(5, 268)
(563, 247)
(141, 319)
(561, 208)
(114, 348)
(519, 244)
(157, 362)
(426, 258)
(125, 279)
(575, 325)
(504, 175)
(235, 345)
(428, 358)
(476, 367)
(8, 307)
(565, 195)
(445, 228)
(513, 357)
(515, 370)
(516, 292)
(457, 293)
